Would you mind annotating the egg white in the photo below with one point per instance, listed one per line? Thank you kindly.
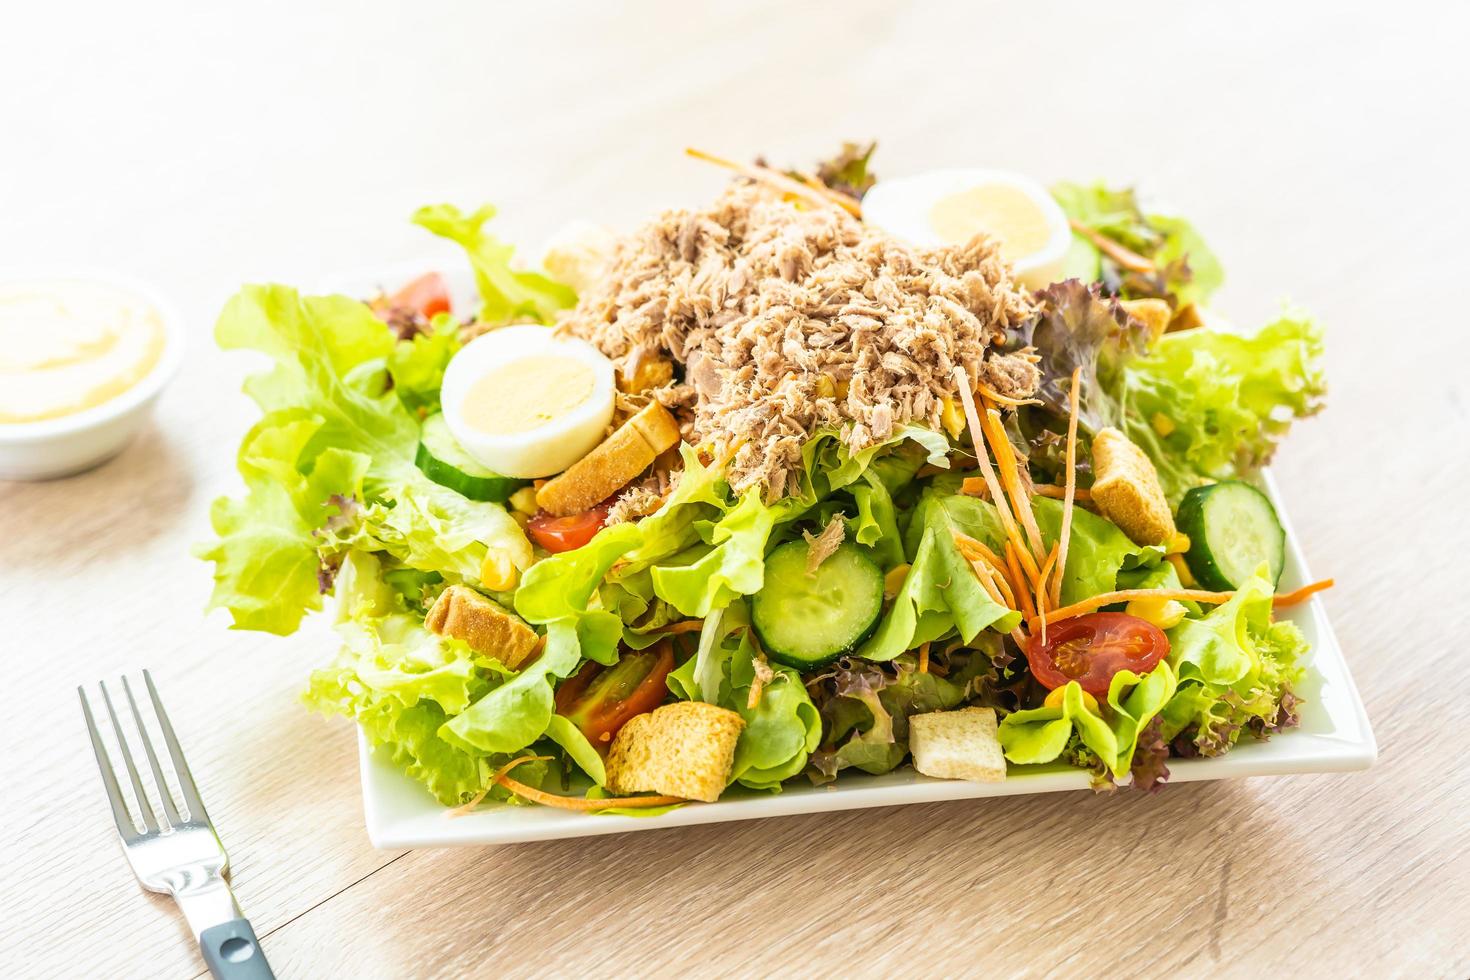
(549, 448)
(902, 206)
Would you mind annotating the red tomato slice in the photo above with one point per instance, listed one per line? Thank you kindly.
(1091, 649)
(426, 295)
(600, 700)
(557, 534)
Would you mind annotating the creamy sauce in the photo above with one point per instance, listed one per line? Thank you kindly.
(527, 394)
(69, 345)
(1005, 212)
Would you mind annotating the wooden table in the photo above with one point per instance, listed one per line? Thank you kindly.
(201, 146)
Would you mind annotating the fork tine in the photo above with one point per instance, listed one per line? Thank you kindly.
(144, 807)
(120, 815)
(165, 796)
(181, 768)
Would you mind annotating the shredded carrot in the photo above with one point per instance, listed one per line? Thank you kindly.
(1010, 478)
(1300, 595)
(778, 180)
(971, 548)
(988, 579)
(1000, 399)
(580, 803)
(1060, 493)
(1125, 257)
(1027, 607)
(1189, 595)
(1069, 494)
(924, 657)
(977, 436)
(1042, 591)
(973, 486)
(1127, 595)
(479, 797)
(855, 208)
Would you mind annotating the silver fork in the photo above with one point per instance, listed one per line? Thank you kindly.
(180, 854)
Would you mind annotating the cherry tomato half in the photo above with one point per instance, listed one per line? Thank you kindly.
(1091, 649)
(600, 700)
(557, 534)
(427, 295)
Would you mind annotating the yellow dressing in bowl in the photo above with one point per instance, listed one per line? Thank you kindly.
(70, 345)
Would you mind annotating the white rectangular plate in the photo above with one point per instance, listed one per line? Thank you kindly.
(1334, 736)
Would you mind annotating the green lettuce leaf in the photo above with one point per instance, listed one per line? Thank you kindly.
(1225, 400)
(506, 294)
(1188, 270)
(1237, 669)
(782, 728)
(416, 366)
(1040, 735)
(401, 683)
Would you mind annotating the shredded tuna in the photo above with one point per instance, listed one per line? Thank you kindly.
(786, 321)
(820, 547)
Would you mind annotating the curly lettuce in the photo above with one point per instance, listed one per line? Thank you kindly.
(1209, 405)
(1237, 673)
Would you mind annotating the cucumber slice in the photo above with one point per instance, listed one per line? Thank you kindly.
(805, 621)
(443, 460)
(1232, 529)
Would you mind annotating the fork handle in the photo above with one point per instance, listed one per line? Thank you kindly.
(233, 953)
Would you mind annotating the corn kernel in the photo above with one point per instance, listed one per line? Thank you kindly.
(1163, 613)
(826, 387)
(894, 580)
(1178, 544)
(524, 500)
(1162, 424)
(497, 572)
(842, 388)
(1054, 699)
(952, 417)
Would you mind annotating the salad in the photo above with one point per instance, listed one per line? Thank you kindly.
(832, 474)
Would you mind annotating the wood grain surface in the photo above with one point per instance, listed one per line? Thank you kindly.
(1321, 149)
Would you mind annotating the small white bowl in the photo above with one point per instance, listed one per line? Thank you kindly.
(62, 446)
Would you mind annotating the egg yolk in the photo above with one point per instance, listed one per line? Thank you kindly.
(1000, 210)
(527, 394)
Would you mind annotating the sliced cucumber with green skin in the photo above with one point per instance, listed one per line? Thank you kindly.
(805, 621)
(1232, 529)
(443, 460)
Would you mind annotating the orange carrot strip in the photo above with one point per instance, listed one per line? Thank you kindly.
(778, 180)
(1301, 595)
(1069, 493)
(924, 657)
(475, 801)
(987, 579)
(977, 436)
(1125, 257)
(1000, 399)
(579, 803)
(1041, 587)
(973, 486)
(1127, 595)
(1028, 608)
(1010, 478)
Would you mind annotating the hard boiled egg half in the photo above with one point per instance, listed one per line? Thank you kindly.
(527, 403)
(948, 207)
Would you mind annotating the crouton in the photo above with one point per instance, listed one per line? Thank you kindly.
(957, 745)
(683, 749)
(621, 456)
(464, 614)
(1127, 489)
(1154, 314)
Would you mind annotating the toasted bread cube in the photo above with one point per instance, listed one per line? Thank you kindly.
(682, 749)
(1154, 314)
(463, 614)
(608, 468)
(1127, 489)
(960, 744)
